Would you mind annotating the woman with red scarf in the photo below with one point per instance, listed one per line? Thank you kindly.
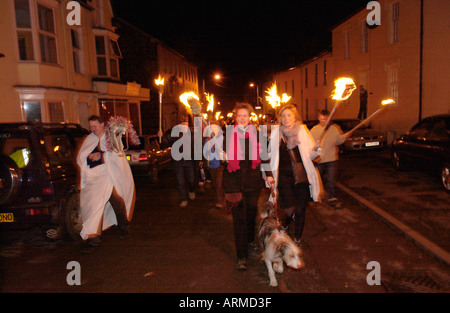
(242, 180)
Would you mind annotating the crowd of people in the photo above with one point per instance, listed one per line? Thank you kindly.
(298, 160)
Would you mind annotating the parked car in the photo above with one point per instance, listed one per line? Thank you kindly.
(426, 146)
(364, 138)
(39, 175)
(147, 159)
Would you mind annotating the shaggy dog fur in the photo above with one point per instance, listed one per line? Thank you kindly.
(276, 244)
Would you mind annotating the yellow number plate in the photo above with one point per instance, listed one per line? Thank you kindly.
(6, 218)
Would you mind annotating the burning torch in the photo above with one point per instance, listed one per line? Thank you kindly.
(384, 104)
(344, 88)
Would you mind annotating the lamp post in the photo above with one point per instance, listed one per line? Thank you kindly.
(160, 84)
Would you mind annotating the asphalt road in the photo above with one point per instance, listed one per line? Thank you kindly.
(191, 250)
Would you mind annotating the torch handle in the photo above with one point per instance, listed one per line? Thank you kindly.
(365, 121)
(328, 120)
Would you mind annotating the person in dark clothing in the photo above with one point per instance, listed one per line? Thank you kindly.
(362, 103)
(242, 180)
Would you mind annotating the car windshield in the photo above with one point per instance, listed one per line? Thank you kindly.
(17, 147)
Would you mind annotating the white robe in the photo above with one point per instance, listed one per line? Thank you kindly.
(97, 185)
(306, 148)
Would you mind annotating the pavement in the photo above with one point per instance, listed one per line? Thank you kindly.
(413, 202)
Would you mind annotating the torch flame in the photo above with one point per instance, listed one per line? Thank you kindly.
(273, 98)
(186, 96)
(387, 102)
(285, 98)
(210, 99)
(344, 88)
(218, 115)
(159, 81)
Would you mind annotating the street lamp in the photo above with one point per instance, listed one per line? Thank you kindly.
(257, 107)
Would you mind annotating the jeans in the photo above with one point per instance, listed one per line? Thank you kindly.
(216, 181)
(184, 172)
(328, 171)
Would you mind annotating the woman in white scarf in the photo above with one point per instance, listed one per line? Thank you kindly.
(295, 178)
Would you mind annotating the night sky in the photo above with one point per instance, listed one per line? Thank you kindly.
(243, 40)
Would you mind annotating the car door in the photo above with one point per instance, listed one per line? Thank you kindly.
(438, 141)
(416, 146)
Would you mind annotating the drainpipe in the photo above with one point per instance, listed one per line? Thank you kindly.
(421, 61)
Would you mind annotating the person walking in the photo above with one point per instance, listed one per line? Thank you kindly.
(362, 103)
(242, 180)
(107, 187)
(184, 167)
(327, 163)
(295, 177)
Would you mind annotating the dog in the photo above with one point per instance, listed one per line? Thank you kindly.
(276, 245)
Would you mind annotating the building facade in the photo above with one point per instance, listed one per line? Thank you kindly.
(403, 58)
(56, 68)
(146, 58)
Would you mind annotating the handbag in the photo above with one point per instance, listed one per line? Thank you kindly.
(298, 169)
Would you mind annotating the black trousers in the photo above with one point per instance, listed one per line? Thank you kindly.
(297, 209)
(244, 215)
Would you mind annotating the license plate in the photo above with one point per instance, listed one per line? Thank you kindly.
(371, 144)
(6, 218)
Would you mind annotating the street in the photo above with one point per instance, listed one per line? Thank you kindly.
(191, 250)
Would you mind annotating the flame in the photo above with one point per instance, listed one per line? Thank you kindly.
(218, 115)
(273, 98)
(210, 99)
(159, 81)
(230, 115)
(285, 98)
(344, 88)
(186, 96)
(387, 102)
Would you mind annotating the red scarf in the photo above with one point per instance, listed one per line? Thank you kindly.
(235, 153)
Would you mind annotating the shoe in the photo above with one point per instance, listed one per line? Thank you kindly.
(192, 195)
(218, 206)
(241, 264)
(183, 204)
(87, 248)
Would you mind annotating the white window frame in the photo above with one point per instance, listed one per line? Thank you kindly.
(395, 22)
(47, 34)
(108, 38)
(77, 51)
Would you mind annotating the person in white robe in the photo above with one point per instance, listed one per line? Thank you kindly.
(107, 187)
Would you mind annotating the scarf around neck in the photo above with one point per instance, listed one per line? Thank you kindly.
(236, 154)
(291, 134)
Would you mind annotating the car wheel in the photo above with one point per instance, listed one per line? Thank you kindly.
(10, 179)
(396, 162)
(72, 216)
(445, 176)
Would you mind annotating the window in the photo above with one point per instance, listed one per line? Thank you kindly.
(293, 88)
(306, 77)
(346, 45)
(395, 7)
(56, 112)
(32, 111)
(24, 34)
(393, 82)
(108, 55)
(316, 74)
(101, 55)
(115, 55)
(76, 51)
(324, 72)
(364, 38)
(47, 36)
